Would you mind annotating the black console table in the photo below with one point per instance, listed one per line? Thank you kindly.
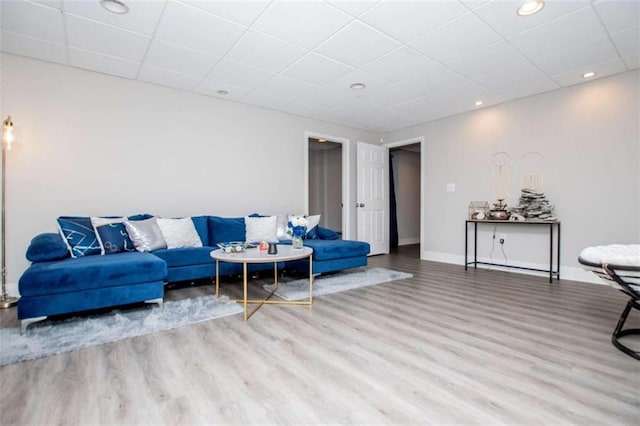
(549, 224)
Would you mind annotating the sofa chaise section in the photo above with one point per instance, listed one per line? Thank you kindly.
(92, 282)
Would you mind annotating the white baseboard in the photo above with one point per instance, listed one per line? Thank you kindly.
(407, 241)
(571, 273)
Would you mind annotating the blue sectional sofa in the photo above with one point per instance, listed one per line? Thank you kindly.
(56, 283)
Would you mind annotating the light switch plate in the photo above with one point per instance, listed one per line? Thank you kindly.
(451, 187)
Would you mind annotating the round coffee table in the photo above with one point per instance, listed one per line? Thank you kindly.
(254, 255)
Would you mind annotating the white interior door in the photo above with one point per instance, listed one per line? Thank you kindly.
(372, 196)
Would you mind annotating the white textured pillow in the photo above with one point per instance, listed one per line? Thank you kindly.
(179, 233)
(313, 222)
(261, 229)
(281, 227)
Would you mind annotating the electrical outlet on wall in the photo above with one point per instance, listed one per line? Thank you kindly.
(503, 238)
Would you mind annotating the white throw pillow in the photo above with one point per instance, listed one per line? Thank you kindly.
(281, 227)
(261, 229)
(179, 233)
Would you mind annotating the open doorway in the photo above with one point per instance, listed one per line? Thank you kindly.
(405, 198)
(325, 182)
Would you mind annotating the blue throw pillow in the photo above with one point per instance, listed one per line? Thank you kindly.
(47, 247)
(79, 236)
(312, 234)
(115, 238)
(200, 223)
(225, 229)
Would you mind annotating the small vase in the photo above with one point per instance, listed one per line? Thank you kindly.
(296, 243)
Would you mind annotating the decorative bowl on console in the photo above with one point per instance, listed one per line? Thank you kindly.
(233, 246)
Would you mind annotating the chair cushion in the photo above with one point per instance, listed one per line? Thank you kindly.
(90, 272)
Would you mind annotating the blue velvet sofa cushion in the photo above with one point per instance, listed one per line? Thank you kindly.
(185, 256)
(224, 229)
(70, 275)
(327, 234)
(46, 247)
(336, 249)
(202, 228)
(140, 216)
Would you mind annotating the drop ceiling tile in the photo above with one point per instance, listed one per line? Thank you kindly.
(406, 20)
(212, 87)
(563, 33)
(602, 70)
(372, 82)
(324, 98)
(33, 20)
(265, 100)
(243, 12)
(594, 52)
(19, 44)
(628, 41)
(285, 87)
(197, 29)
(463, 97)
(266, 52)
(51, 3)
(106, 39)
(143, 16)
(357, 44)
(102, 63)
(392, 95)
(424, 106)
(317, 69)
(239, 74)
(632, 61)
(167, 78)
(295, 22)
(485, 61)
(353, 7)
(523, 81)
(456, 38)
(474, 4)
(174, 57)
(502, 15)
(400, 63)
(437, 78)
(618, 15)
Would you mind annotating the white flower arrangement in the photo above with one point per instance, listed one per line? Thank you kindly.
(297, 226)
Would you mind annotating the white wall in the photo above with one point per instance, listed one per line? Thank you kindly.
(92, 144)
(406, 174)
(590, 139)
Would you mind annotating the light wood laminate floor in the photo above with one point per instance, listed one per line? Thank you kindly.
(446, 346)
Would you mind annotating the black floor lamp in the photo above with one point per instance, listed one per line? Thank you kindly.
(7, 138)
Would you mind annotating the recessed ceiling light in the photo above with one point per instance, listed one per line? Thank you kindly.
(358, 86)
(530, 7)
(479, 103)
(222, 92)
(322, 140)
(115, 6)
(589, 74)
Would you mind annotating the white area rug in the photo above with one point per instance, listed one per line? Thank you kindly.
(80, 332)
(327, 284)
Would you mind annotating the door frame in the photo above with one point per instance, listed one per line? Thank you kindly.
(346, 199)
(411, 141)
